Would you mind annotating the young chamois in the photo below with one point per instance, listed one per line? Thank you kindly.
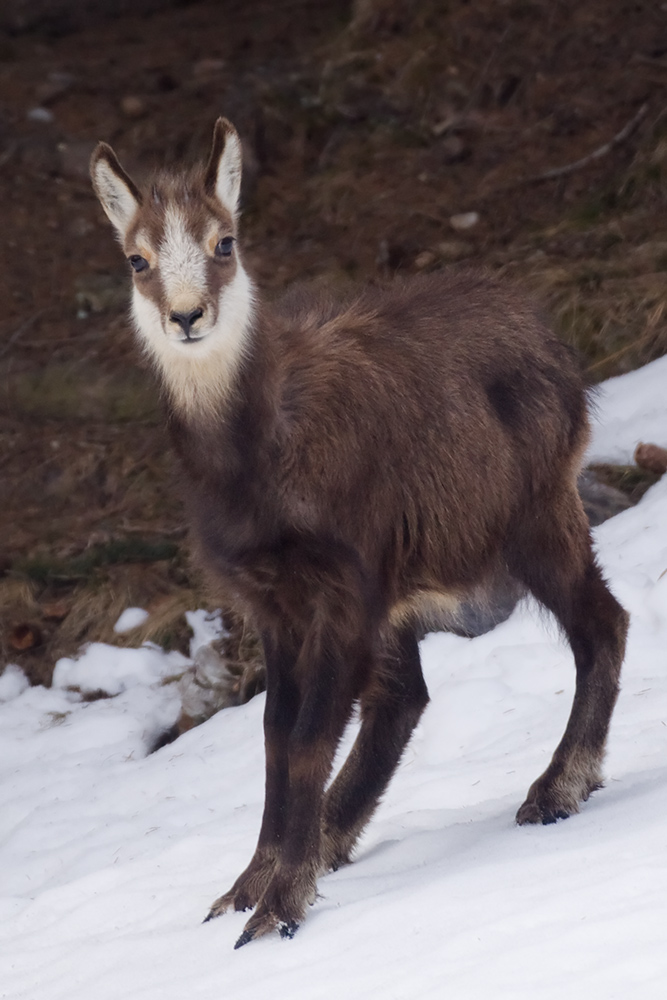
(351, 471)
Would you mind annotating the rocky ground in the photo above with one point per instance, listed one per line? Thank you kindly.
(380, 137)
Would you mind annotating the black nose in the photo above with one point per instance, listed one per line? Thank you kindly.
(185, 320)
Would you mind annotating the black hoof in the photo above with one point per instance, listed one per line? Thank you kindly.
(553, 817)
(245, 938)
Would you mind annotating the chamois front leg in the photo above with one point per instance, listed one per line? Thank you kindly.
(326, 671)
(282, 701)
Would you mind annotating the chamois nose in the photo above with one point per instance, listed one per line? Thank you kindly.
(186, 320)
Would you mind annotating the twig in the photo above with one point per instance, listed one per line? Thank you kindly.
(6, 348)
(601, 151)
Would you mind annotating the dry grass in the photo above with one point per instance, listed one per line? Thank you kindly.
(354, 180)
(616, 319)
(64, 618)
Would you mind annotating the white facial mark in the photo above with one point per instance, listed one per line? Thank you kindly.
(183, 264)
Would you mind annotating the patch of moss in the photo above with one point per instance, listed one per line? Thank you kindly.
(44, 568)
(68, 392)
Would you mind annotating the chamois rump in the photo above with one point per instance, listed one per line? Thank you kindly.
(352, 471)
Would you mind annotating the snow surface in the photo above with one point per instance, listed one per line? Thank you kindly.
(110, 858)
(627, 410)
(130, 618)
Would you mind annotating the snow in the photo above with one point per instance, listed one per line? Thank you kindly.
(206, 628)
(110, 858)
(13, 682)
(113, 670)
(130, 618)
(629, 409)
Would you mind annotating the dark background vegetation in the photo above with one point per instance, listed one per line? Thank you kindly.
(368, 127)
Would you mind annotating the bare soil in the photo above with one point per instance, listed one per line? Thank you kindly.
(372, 131)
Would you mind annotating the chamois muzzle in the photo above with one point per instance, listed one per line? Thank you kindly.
(186, 320)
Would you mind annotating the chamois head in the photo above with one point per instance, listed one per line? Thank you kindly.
(192, 299)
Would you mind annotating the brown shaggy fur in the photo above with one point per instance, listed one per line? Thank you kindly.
(376, 460)
(418, 441)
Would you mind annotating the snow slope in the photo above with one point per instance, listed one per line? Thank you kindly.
(110, 858)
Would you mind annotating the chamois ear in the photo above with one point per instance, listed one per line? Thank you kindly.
(119, 195)
(225, 164)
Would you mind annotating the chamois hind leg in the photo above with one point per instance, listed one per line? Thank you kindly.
(554, 558)
(390, 710)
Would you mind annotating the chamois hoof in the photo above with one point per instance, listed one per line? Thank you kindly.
(558, 795)
(533, 812)
(249, 887)
(245, 938)
(218, 908)
(266, 922)
(547, 803)
(230, 901)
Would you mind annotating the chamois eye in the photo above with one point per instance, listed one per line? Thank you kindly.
(224, 247)
(138, 263)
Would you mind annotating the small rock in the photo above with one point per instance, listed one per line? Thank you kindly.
(24, 637)
(453, 149)
(651, 457)
(425, 259)
(40, 115)
(464, 220)
(133, 106)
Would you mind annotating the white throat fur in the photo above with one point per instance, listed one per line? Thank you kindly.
(199, 374)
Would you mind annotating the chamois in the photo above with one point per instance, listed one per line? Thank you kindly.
(352, 470)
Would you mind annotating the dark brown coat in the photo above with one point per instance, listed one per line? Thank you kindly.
(375, 461)
(352, 472)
